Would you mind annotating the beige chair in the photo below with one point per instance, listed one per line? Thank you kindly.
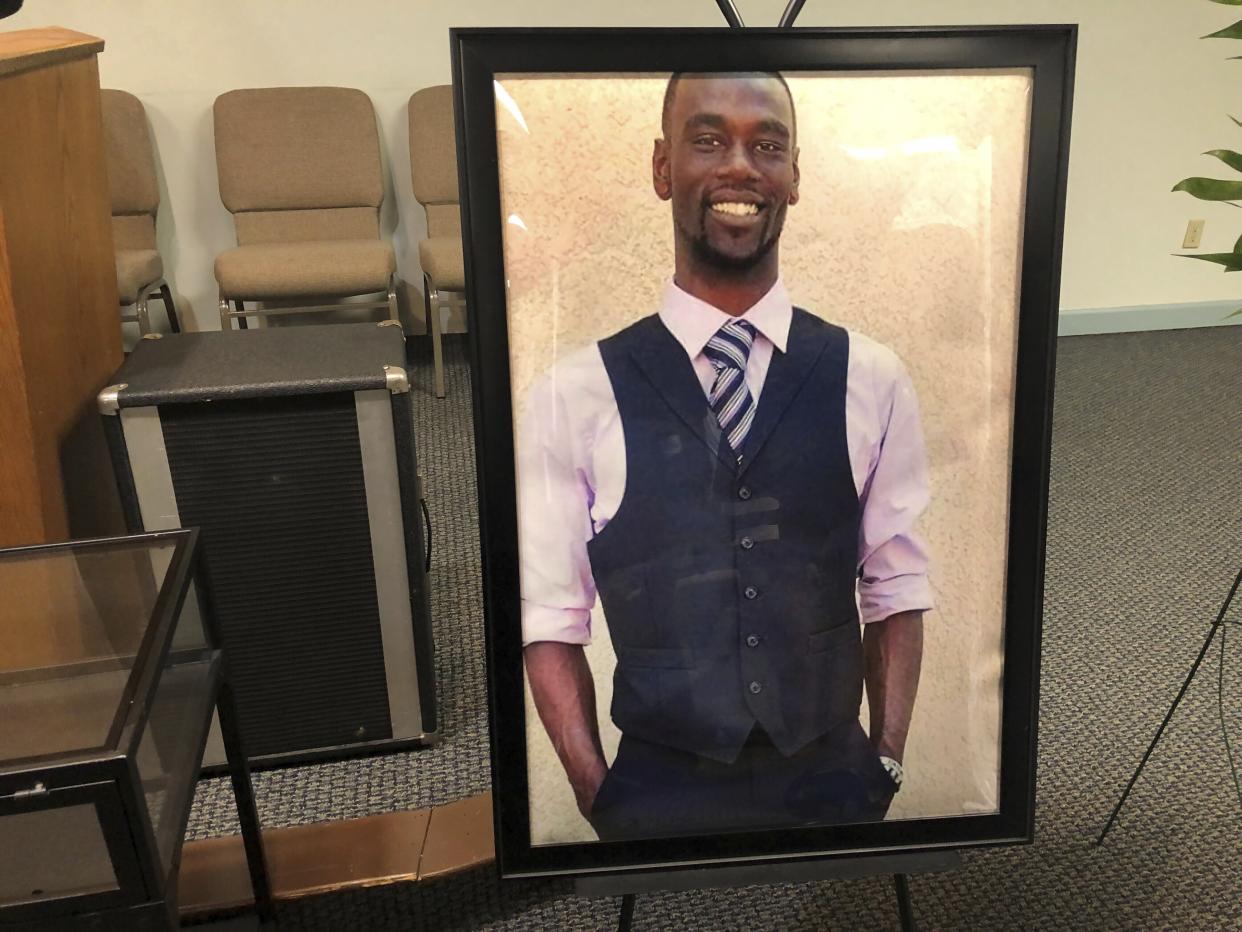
(135, 202)
(299, 170)
(433, 167)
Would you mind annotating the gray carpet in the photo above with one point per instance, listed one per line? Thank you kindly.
(1145, 535)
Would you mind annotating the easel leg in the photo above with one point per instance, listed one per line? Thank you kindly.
(904, 908)
(627, 913)
(1194, 668)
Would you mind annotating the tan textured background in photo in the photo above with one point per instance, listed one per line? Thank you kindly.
(908, 230)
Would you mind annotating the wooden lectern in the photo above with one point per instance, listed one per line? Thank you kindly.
(60, 338)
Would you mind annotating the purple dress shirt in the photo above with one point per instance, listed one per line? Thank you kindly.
(571, 467)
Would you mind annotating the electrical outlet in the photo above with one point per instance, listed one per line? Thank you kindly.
(1194, 234)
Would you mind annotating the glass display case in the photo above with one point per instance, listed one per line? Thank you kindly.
(109, 671)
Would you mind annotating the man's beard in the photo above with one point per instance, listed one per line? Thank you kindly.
(708, 254)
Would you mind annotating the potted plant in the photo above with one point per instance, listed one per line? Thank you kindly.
(1216, 189)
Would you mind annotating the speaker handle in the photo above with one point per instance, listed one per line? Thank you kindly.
(427, 525)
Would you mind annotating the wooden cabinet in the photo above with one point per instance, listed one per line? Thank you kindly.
(60, 338)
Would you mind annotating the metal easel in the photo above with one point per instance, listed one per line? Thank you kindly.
(1217, 625)
(900, 866)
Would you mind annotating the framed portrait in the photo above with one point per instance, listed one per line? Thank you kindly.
(763, 327)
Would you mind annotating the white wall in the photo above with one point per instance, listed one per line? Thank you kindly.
(1150, 97)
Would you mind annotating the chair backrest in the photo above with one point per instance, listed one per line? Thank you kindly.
(299, 163)
(130, 158)
(433, 158)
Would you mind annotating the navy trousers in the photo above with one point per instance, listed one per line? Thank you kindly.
(655, 791)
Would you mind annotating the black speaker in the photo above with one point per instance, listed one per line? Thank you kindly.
(292, 450)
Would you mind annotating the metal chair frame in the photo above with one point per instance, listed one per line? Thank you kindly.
(142, 316)
(239, 312)
(433, 301)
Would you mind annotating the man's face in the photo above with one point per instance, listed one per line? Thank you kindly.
(729, 166)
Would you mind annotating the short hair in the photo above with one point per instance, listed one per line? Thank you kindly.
(671, 90)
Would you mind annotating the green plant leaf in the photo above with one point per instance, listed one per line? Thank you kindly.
(1234, 118)
(1210, 189)
(1229, 32)
(1232, 261)
(1229, 2)
(1228, 156)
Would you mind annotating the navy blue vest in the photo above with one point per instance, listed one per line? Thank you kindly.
(729, 590)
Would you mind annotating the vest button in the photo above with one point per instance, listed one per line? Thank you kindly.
(750, 592)
(756, 688)
(747, 542)
(752, 641)
(743, 493)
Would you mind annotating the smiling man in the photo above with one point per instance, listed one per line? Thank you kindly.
(734, 478)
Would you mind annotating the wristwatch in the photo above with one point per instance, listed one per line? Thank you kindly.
(895, 772)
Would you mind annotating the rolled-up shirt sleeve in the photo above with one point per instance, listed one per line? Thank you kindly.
(554, 521)
(893, 558)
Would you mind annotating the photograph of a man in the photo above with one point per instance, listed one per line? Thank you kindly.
(738, 482)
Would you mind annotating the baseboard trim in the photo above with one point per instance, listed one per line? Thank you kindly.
(1148, 317)
(326, 857)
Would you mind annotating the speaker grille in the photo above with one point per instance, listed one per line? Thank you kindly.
(275, 485)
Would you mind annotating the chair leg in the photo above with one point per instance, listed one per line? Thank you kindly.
(431, 298)
(427, 305)
(144, 317)
(166, 295)
(226, 322)
(242, 324)
(392, 299)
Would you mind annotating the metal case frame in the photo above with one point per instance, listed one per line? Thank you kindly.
(107, 777)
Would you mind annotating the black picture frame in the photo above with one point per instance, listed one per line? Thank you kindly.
(479, 55)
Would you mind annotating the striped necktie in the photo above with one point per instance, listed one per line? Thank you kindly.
(728, 350)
